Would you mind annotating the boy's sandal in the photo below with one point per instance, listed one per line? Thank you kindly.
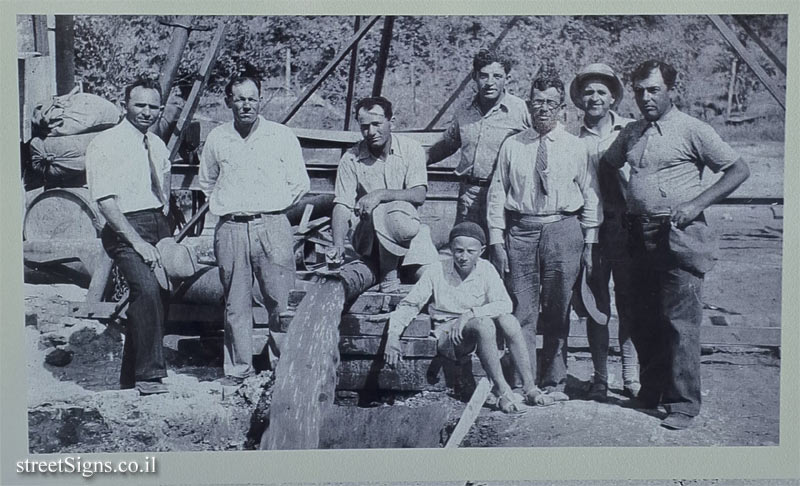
(538, 398)
(506, 403)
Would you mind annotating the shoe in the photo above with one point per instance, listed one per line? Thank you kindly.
(510, 403)
(558, 396)
(631, 389)
(151, 387)
(229, 380)
(538, 398)
(677, 421)
(598, 392)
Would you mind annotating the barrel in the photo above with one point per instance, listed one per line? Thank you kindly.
(62, 213)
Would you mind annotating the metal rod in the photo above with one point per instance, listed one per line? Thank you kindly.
(383, 55)
(748, 58)
(760, 43)
(180, 36)
(467, 78)
(351, 77)
(329, 69)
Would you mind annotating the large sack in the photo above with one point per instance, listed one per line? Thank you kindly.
(74, 114)
(61, 161)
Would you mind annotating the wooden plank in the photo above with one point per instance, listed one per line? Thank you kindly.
(740, 20)
(471, 412)
(383, 55)
(366, 303)
(305, 377)
(365, 325)
(396, 427)
(408, 375)
(373, 346)
(730, 37)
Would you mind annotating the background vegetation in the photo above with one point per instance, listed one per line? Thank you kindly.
(430, 56)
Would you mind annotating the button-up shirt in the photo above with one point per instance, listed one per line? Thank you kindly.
(482, 292)
(117, 165)
(571, 182)
(613, 182)
(260, 173)
(666, 159)
(479, 135)
(360, 172)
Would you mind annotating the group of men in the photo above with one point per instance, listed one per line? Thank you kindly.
(621, 198)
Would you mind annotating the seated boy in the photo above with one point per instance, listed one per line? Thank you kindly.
(469, 294)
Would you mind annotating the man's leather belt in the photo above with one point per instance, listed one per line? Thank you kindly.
(476, 181)
(542, 218)
(246, 218)
(645, 219)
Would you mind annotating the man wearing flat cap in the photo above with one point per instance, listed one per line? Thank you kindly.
(382, 181)
(597, 91)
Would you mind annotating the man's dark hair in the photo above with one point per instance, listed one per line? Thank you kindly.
(239, 79)
(146, 83)
(643, 70)
(545, 81)
(368, 103)
(484, 57)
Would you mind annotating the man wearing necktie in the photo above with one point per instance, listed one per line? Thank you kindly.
(670, 242)
(544, 213)
(128, 173)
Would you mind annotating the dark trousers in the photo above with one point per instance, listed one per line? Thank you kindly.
(668, 311)
(143, 354)
(544, 259)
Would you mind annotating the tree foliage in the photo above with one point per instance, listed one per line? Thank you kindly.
(429, 55)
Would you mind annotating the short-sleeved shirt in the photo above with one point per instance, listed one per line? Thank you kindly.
(666, 158)
(360, 172)
(117, 165)
(480, 135)
(481, 292)
(613, 182)
(260, 173)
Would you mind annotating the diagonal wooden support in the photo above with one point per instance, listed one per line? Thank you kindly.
(194, 96)
(470, 413)
(329, 68)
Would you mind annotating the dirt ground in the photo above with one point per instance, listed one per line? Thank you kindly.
(75, 406)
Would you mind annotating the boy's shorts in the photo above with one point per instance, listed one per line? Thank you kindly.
(445, 347)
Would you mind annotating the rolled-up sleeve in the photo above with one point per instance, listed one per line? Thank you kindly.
(209, 166)
(591, 215)
(296, 174)
(99, 174)
(344, 191)
(417, 172)
(496, 197)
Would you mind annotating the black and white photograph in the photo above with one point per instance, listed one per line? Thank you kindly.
(301, 232)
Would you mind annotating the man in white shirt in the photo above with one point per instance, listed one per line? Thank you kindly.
(128, 170)
(544, 213)
(252, 171)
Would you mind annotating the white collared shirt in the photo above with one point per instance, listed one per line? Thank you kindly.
(571, 181)
(117, 165)
(263, 172)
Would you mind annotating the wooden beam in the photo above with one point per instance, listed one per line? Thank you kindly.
(352, 77)
(730, 37)
(468, 77)
(383, 55)
(743, 24)
(329, 69)
(65, 53)
(305, 378)
(423, 374)
(374, 345)
(471, 412)
(197, 90)
(181, 28)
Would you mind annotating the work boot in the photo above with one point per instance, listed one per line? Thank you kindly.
(677, 421)
(598, 391)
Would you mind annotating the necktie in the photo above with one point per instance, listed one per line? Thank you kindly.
(155, 185)
(541, 166)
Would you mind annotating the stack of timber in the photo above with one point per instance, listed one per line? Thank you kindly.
(362, 342)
